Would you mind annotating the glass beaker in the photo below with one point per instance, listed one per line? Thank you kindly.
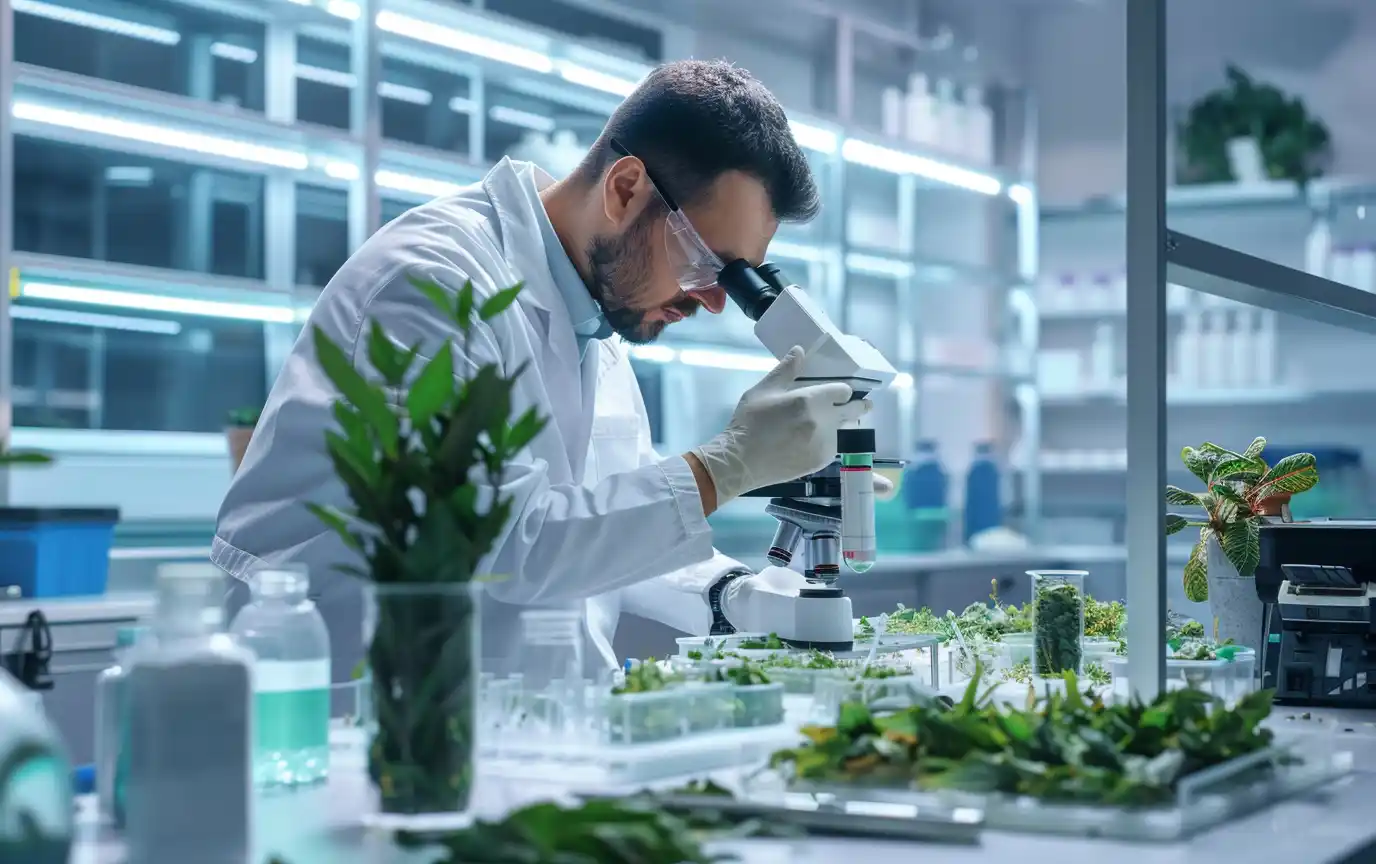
(554, 689)
(1058, 621)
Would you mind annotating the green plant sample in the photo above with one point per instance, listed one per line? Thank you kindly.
(1069, 747)
(1104, 620)
(410, 434)
(1200, 649)
(244, 418)
(1056, 643)
(1294, 145)
(771, 642)
(1238, 489)
(1097, 674)
(24, 457)
(1021, 672)
(648, 677)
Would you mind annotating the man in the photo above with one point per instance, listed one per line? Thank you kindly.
(599, 517)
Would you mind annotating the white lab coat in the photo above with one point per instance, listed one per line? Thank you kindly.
(599, 517)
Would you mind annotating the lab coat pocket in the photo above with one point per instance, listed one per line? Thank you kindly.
(614, 445)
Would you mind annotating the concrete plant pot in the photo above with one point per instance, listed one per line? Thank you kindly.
(1233, 601)
(1245, 160)
(238, 438)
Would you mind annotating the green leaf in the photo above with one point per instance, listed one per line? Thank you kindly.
(1231, 495)
(1254, 449)
(524, 430)
(338, 523)
(1200, 463)
(442, 299)
(433, 388)
(25, 457)
(1241, 542)
(1243, 470)
(464, 316)
(369, 399)
(497, 303)
(1290, 476)
(1175, 524)
(390, 361)
(1179, 497)
(1197, 569)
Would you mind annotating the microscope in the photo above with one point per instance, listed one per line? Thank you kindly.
(829, 515)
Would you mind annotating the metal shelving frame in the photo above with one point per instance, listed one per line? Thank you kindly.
(1156, 254)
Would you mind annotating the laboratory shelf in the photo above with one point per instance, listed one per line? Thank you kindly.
(1207, 196)
(1210, 397)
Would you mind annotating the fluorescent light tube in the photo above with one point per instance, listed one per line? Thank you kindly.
(876, 265)
(195, 142)
(415, 185)
(1020, 194)
(93, 21)
(468, 43)
(653, 353)
(796, 251)
(902, 381)
(813, 138)
(343, 9)
(524, 119)
(897, 162)
(94, 319)
(591, 78)
(348, 81)
(235, 53)
(156, 303)
(726, 360)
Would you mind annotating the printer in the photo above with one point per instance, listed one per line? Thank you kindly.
(1317, 581)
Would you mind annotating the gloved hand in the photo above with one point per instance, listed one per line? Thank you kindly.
(779, 431)
(751, 603)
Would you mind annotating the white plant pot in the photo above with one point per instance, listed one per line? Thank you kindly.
(1244, 158)
(1233, 601)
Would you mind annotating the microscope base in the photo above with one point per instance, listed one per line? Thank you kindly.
(819, 618)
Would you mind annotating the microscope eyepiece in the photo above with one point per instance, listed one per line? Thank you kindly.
(753, 289)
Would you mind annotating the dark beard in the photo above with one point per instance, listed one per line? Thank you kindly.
(618, 267)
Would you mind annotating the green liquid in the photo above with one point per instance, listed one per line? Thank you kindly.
(292, 736)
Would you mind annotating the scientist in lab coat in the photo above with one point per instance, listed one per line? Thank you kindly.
(696, 168)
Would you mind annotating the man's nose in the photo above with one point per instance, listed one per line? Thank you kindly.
(713, 299)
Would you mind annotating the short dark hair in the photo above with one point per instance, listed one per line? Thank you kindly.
(691, 121)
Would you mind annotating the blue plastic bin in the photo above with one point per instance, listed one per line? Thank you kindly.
(56, 552)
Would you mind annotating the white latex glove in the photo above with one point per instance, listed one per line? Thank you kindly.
(779, 431)
(883, 486)
(751, 603)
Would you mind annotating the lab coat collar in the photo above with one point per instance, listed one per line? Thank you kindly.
(514, 189)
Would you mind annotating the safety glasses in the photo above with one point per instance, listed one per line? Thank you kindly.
(696, 265)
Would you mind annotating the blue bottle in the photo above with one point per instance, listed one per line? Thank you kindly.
(924, 489)
(983, 507)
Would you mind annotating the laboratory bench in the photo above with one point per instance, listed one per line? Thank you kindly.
(323, 825)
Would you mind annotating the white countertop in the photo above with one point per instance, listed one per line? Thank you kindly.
(322, 826)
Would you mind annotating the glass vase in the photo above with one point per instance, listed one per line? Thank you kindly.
(1058, 621)
(423, 661)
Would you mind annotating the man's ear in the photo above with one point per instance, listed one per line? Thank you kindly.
(625, 190)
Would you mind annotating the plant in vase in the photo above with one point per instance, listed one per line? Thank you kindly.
(1239, 490)
(409, 443)
(239, 426)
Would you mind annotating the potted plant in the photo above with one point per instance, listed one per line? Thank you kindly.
(239, 428)
(1247, 132)
(408, 442)
(1239, 490)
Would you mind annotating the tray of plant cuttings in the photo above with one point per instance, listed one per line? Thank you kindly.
(823, 815)
(1064, 763)
(763, 646)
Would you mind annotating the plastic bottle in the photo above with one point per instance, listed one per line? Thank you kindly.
(1101, 357)
(1187, 351)
(921, 112)
(291, 678)
(1364, 267)
(1241, 371)
(924, 488)
(979, 127)
(894, 108)
(983, 507)
(189, 737)
(110, 690)
(1318, 248)
(948, 113)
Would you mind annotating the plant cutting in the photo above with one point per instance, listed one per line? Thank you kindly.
(1070, 747)
(239, 426)
(1250, 121)
(758, 701)
(411, 439)
(641, 709)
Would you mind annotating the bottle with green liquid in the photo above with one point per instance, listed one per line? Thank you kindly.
(291, 678)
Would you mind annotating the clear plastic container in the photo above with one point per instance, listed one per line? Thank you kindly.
(804, 682)
(709, 645)
(555, 690)
(110, 689)
(646, 718)
(897, 692)
(291, 678)
(1058, 621)
(758, 705)
(1227, 679)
